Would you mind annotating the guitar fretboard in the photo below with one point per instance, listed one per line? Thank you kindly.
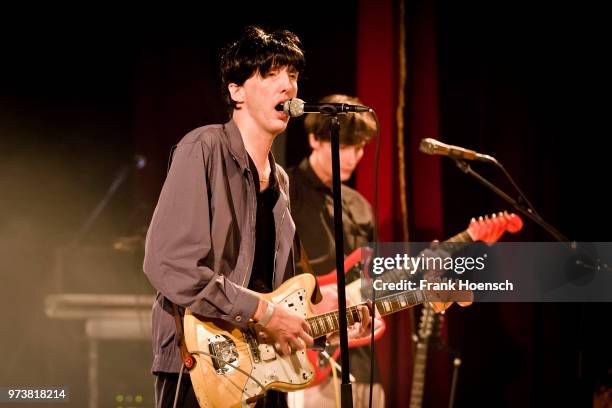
(451, 245)
(327, 323)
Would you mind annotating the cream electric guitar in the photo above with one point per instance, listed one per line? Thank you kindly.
(235, 367)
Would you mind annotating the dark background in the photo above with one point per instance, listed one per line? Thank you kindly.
(80, 96)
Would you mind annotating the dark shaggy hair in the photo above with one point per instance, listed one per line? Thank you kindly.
(354, 129)
(258, 51)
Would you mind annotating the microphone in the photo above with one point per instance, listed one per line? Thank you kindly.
(433, 146)
(296, 107)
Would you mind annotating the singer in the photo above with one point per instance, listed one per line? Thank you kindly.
(222, 223)
(192, 253)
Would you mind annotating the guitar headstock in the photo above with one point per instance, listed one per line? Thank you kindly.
(490, 228)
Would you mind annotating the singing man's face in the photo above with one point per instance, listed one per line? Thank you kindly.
(259, 95)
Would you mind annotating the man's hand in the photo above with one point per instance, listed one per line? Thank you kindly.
(434, 251)
(358, 329)
(286, 330)
(330, 302)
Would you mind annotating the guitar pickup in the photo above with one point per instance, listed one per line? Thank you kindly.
(266, 352)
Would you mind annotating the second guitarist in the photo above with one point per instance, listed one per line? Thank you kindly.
(312, 211)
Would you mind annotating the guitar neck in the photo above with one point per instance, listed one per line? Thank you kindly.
(418, 374)
(451, 245)
(327, 323)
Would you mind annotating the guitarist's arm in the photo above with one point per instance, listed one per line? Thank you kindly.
(179, 241)
(179, 238)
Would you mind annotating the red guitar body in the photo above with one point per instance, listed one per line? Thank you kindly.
(487, 229)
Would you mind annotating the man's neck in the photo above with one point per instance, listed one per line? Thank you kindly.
(257, 142)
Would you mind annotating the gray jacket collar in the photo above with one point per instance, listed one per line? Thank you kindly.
(237, 149)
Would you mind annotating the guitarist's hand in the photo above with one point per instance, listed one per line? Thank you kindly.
(358, 329)
(434, 251)
(330, 302)
(287, 330)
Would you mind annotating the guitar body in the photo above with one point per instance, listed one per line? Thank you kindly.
(219, 385)
(235, 367)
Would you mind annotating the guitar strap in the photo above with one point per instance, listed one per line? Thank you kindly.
(186, 358)
(307, 268)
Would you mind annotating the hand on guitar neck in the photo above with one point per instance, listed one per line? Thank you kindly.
(329, 301)
(288, 331)
(486, 229)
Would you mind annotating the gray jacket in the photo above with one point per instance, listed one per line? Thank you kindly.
(201, 241)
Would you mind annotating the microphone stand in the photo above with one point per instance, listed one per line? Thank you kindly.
(95, 213)
(346, 387)
(61, 251)
(530, 213)
(525, 210)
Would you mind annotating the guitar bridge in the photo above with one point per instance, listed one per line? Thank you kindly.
(251, 339)
(225, 353)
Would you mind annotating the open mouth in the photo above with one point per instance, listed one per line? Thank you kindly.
(279, 106)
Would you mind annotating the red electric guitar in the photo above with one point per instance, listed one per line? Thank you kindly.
(486, 229)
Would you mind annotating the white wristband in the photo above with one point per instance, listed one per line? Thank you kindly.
(265, 318)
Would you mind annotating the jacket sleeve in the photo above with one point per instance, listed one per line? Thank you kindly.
(179, 237)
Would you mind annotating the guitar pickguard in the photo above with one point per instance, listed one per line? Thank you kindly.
(294, 369)
(244, 349)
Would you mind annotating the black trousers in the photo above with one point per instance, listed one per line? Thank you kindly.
(165, 389)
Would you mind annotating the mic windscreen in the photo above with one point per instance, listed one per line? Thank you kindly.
(294, 107)
(427, 146)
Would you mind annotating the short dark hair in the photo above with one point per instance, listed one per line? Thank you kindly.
(259, 51)
(354, 128)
